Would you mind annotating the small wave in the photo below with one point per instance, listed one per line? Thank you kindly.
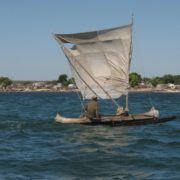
(30, 124)
(146, 141)
(173, 144)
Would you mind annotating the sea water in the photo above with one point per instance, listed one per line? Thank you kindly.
(33, 146)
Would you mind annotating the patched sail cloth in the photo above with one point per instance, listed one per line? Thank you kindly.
(100, 61)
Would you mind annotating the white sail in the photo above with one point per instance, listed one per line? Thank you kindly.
(100, 60)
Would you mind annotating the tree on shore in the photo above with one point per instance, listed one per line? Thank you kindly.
(5, 81)
(177, 79)
(71, 81)
(134, 79)
(146, 80)
(64, 80)
(156, 80)
(168, 78)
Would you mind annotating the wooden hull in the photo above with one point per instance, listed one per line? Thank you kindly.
(135, 122)
(115, 120)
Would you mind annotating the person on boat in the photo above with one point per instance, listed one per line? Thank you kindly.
(92, 108)
(120, 110)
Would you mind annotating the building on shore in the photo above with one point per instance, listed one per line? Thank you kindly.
(160, 87)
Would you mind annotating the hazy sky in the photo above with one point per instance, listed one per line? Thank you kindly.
(29, 52)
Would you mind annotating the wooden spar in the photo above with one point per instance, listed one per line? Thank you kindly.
(62, 46)
(130, 56)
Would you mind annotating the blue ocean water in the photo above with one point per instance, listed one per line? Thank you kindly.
(33, 146)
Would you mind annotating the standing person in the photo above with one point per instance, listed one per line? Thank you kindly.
(92, 108)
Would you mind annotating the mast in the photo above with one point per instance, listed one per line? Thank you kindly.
(130, 56)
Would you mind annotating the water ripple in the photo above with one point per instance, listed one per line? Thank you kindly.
(33, 146)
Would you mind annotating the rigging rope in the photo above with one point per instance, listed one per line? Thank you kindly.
(82, 104)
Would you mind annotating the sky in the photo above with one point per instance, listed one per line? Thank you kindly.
(28, 50)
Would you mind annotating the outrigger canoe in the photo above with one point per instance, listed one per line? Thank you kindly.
(115, 120)
(100, 64)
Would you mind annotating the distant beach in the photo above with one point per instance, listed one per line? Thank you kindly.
(77, 90)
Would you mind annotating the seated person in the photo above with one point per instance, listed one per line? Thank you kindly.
(92, 108)
(120, 111)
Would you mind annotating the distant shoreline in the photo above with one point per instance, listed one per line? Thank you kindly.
(154, 91)
(139, 90)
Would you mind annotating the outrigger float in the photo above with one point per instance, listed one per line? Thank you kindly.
(100, 64)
